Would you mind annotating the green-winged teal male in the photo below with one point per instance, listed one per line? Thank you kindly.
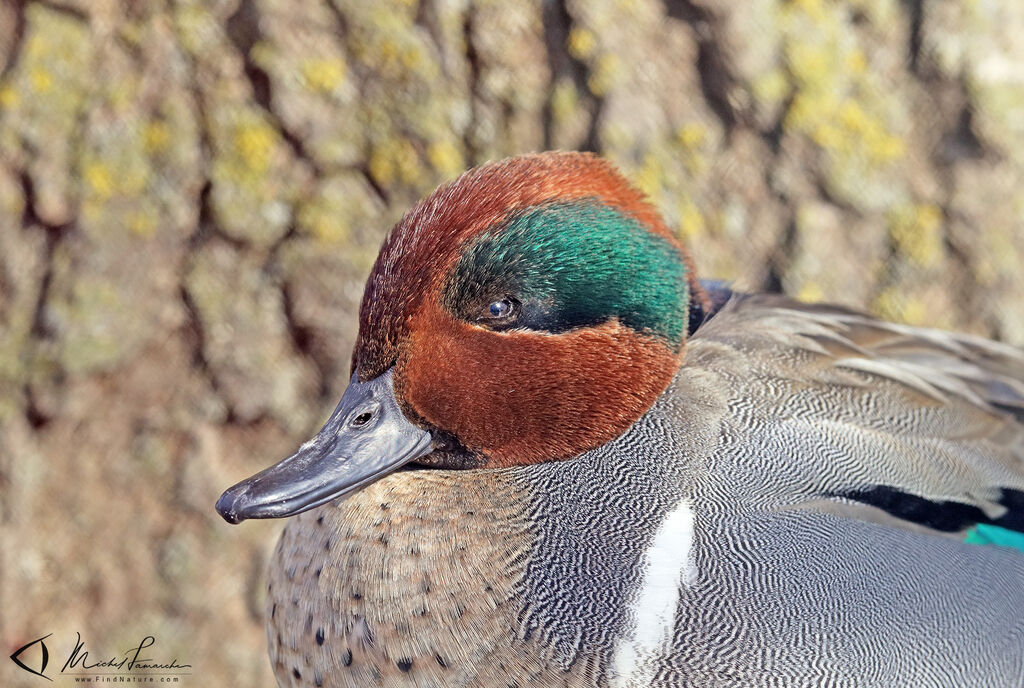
(563, 460)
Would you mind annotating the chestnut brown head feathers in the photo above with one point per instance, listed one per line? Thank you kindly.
(532, 309)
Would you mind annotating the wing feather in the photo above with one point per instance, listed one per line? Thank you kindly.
(899, 424)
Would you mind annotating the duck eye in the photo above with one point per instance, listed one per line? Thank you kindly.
(503, 309)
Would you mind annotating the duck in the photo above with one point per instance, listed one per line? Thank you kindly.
(564, 460)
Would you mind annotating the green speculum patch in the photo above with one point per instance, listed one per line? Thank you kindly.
(575, 264)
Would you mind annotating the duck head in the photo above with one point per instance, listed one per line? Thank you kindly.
(529, 311)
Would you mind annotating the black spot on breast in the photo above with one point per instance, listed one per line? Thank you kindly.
(317, 572)
(404, 664)
(318, 679)
(273, 610)
(319, 520)
(346, 658)
(295, 672)
(319, 636)
(357, 596)
(440, 660)
(327, 545)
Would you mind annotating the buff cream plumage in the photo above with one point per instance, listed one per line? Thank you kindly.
(563, 460)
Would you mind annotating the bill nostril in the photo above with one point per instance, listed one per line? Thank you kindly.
(362, 419)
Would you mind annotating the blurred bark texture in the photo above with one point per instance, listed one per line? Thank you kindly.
(192, 193)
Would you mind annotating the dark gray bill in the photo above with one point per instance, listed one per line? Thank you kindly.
(365, 438)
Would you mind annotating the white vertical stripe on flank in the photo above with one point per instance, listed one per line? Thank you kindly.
(667, 565)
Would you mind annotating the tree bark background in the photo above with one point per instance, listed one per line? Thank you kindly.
(192, 194)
